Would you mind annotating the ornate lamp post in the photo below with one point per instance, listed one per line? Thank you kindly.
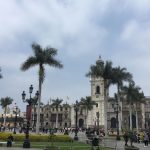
(31, 101)
(16, 111)
(76, 108)
(117, 110)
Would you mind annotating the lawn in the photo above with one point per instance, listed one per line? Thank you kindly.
(61, 145)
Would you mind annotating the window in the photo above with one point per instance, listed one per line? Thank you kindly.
(59, 117)
(66, 116)
(97, 90)
(53, 117)
(96, 104)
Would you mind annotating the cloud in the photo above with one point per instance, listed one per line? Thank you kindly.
(81, 30)
(137, 34)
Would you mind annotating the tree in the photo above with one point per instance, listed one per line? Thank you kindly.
(4, 102)
(42, 56)
(87, 104)
(133, 96)
(56, 103)
(0, 74)
(119, 76)
(101, 70)
(139, 96)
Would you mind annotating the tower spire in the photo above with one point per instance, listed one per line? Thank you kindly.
(99, 60)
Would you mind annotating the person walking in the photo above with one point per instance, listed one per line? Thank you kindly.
(146, 139)
(126, 138)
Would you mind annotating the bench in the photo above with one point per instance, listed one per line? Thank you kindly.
(4, 143)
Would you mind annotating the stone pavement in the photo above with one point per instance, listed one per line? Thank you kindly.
(120, 145)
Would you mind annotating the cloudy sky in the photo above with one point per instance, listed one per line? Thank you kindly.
(81, 30)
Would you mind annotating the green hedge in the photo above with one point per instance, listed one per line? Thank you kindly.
(36, 138)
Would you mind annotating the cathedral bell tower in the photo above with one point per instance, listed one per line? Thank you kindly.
(97, 95)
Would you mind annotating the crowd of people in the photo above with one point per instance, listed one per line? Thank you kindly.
(143, 137)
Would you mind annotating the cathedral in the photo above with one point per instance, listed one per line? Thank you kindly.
(96, 117)
(103, 115)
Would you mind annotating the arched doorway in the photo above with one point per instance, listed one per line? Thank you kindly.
(81, 123)
(113, 122)
(133, 121)
(65, 124)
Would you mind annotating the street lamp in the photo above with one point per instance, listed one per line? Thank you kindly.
(76, 108)
(16, 112)
(117, 110)
(31, 101)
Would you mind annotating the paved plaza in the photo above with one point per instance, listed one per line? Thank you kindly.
(120, 146)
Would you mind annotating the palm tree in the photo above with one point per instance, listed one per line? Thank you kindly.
(0, 74)
(101, 70)
(42, 56)
(56, 103)
(4, 102)
(120, 75)
(132, 96)
(87, 105)
(139, 96)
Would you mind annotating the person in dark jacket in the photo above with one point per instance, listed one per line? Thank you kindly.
(126, 138)
(10, 140)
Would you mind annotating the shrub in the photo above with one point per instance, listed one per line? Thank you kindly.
(36, 138)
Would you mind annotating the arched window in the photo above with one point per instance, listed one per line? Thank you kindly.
(97, 90)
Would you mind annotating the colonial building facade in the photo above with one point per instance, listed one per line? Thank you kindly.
(55, 117)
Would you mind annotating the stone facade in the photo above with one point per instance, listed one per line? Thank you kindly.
(56, 117)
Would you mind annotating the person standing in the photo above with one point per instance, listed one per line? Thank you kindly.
(146, 139)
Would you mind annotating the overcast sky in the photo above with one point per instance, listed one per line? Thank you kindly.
(81, 30)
